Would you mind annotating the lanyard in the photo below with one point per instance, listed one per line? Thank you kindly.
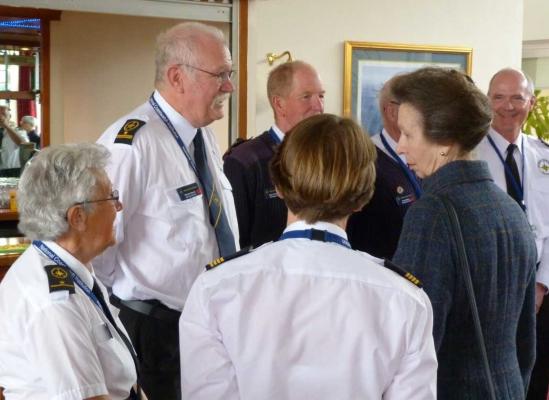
(174, 133)
(404, 168)
(315, 234)
(57, 260)
(519, 187)
(274, 136)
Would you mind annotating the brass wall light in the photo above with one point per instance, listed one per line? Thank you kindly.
(272, 57)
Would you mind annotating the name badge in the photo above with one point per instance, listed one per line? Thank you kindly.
(405, 199)
(270, 194)
(189, 191)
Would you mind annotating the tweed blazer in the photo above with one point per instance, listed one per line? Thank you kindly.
(502, 257)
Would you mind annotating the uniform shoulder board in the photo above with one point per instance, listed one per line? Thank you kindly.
(406, 275)
(221, 260)
(59, 278)
(126, 134)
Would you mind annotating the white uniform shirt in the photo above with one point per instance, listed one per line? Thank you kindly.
(10, 150)
(58, 345)
(163, 241)
(302, 319)
(535, 178)
(392, 144)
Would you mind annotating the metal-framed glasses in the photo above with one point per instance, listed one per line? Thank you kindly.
(113, 197)
(222, 77)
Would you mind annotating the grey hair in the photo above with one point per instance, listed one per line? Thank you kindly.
(180, 44)
(52, 182)
(29, 119)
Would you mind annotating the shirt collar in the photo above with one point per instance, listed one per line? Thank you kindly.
(390, 141)
(183, 127)
(278, 132)
(502, 143)
(320, 225)
(76, 266)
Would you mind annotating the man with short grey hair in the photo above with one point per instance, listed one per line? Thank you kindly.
(519, 165)
(178, 206)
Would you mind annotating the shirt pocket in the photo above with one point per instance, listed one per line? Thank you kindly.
(185, 201)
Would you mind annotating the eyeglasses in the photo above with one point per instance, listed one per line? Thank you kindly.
(222, 77)
(113, 197)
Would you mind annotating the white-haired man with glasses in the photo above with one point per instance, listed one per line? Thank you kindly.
(178, 206)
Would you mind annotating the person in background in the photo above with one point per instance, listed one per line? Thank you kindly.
(11, 139)
(442, 117)
(295, 92)
(28, 124)
(178, 206)
(519, 165)
(59, 336)
(307, 317)
(376, 228)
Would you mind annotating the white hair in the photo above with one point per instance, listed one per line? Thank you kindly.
(180, 45)
(52, 182)
(29, 119)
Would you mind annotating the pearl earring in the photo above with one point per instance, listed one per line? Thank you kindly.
(443, 154)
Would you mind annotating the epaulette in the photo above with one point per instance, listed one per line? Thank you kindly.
(59, 278)
(236, 143)
(126, 134)
(221, 260)
(406, 275)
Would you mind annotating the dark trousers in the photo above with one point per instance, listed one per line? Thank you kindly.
(539, 382)
(157, 345)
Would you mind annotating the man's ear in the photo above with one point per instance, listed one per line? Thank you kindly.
(176, 78)
(278, 105)
(532, 101)
(77, 218)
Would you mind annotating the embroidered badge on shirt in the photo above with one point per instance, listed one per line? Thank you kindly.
(59, 278)
(271, 194)
(189, 191)
(128, 131)
(543, 166)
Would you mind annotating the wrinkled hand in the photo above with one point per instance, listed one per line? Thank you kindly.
(541, 290)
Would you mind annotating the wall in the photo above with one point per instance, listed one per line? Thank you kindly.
(315, 31)
(536, 20)
(102, 66)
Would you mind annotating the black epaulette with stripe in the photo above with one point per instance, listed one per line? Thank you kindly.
(126, 134)
(221, 260)
(406, 275)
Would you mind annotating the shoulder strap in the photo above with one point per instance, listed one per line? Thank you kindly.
(466, 273)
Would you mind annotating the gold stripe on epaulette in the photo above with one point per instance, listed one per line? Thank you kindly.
(413, 279)
(122, 136)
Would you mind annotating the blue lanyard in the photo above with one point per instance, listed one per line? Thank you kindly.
(174, 133)
(409, 174)
(519, 188)
(316, 234)
(274, 136)
(59, 261)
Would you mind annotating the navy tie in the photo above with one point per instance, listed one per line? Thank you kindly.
(218, 219)
(511, 163)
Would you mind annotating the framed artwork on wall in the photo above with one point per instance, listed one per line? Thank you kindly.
(369, 65)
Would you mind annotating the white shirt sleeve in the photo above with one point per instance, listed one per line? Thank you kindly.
(416, 377)
(207, 371)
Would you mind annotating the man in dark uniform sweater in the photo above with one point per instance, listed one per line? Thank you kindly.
(376, 228)
(295, 93)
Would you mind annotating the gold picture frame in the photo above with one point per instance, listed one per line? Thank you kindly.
(368, 65)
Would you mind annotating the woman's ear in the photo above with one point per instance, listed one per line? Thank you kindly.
(77, 218)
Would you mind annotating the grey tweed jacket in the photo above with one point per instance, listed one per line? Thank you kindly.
(502, 258)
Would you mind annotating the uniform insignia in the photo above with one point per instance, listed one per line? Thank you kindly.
(221, 260)
(271, 194)
(406, 275)
(543, 166)
(126, 134)
(59, 278)
(400, 189)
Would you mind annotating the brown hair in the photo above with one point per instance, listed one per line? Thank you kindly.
(325, 168)
(454, 110)
(281, 78)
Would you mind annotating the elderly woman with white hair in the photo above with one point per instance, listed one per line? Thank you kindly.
(59, 338)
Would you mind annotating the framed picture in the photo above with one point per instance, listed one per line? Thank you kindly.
(369, 65)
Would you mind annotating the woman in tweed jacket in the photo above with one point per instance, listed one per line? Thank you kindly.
(443, 116)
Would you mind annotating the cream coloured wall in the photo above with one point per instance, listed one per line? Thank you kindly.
(314, 31)
(102, 66)
(536, 20)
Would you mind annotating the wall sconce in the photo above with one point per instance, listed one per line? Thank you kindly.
(272, 57)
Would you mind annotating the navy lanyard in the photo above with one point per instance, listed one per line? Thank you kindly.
(59, 261)
(409, 174)
(519, 188)
(315, 234)
(174, 133)
(274, 136)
